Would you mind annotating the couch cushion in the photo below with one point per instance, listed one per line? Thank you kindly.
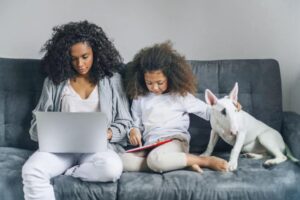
(20, 86)
(259, 80)
(251, 181)
(11, 162)
(259, 92)
(65, 187)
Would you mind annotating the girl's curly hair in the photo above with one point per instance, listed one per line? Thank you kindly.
(57, 62)
(159, 57)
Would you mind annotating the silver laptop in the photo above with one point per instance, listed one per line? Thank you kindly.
(67, 132)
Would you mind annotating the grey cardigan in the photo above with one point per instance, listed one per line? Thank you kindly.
(113, 102)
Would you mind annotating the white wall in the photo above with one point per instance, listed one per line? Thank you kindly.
(200, 29)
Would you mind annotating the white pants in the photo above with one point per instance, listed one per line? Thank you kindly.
(42, 166)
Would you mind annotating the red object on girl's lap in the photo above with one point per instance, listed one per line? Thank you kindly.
(149, 146)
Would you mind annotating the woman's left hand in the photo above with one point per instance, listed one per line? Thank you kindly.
(109, 134)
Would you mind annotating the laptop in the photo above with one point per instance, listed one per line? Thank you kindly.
(71, 132)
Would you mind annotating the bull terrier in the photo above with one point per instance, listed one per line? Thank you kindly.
(242, 131)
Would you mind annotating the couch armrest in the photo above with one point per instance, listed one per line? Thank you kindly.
(291, 132)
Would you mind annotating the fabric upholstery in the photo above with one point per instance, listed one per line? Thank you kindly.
(259, 93)
(66, 187)
(11, 162)
(291, 132)
(20, 87)
(251, 181)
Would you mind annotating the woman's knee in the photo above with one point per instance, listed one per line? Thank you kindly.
(110, 169)
(32, 174)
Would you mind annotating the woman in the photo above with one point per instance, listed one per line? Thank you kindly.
(81, 64)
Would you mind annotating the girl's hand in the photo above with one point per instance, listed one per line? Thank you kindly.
(109, 134)
(135, 137)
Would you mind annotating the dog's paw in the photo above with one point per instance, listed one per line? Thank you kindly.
(272, 162)
(232, 165)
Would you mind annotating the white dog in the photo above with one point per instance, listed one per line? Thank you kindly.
(242, 131)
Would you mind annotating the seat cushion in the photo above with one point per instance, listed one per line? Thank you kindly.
(11, 162)
(65, 187)
(250, 181)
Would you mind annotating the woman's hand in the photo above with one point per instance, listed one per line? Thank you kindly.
(135, 137)
(109, 134)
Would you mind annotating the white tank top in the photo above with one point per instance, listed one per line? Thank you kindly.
(72, 102)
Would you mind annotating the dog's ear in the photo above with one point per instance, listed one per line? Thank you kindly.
(210, 98)
(234, 92)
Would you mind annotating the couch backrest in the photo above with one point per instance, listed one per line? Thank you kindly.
(259, 92)
(20, 86)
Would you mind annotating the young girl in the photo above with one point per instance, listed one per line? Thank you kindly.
(81, 64)
(162, 85)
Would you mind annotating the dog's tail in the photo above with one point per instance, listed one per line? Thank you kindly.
(290, 155)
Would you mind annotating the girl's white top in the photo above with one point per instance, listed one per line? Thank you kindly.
(165, 115)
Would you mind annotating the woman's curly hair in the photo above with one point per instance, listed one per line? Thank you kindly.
(159, 57)
(57, 61)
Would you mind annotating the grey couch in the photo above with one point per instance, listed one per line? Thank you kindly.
(259, 93)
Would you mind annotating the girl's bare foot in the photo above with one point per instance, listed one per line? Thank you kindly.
(212, 162)
(217, 164)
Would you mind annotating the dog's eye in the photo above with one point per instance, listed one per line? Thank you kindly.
(223, 112)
